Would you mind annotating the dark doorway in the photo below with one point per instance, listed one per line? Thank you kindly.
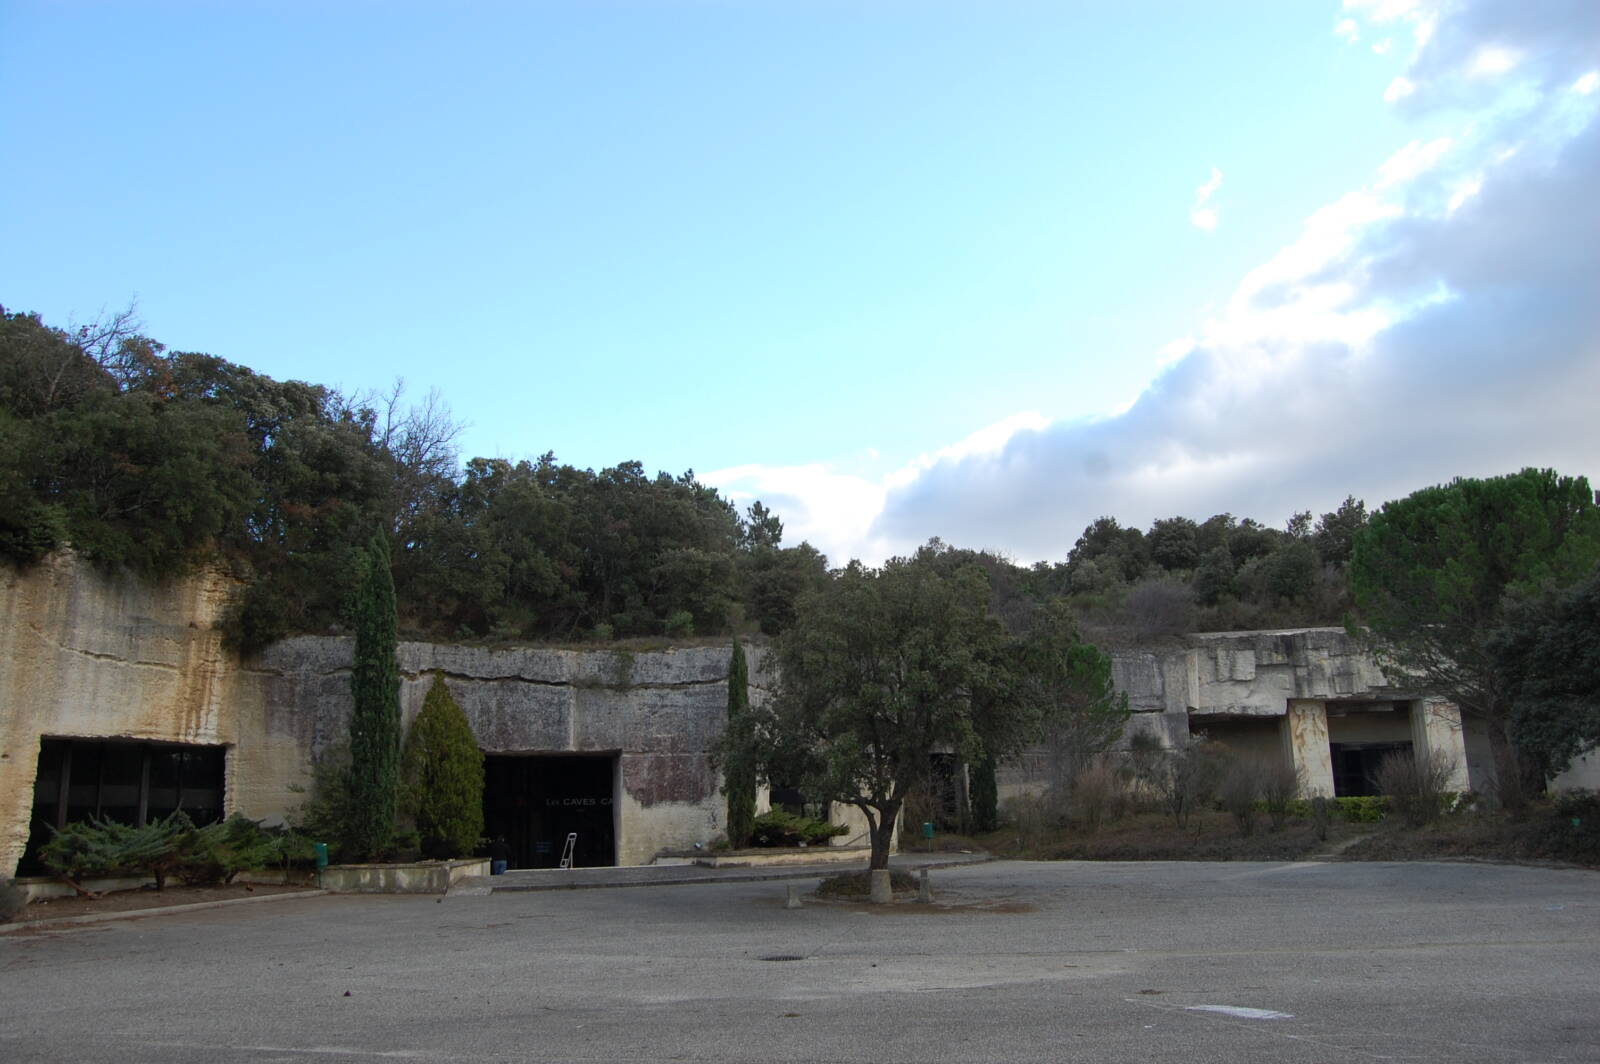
(115, 779)
(534, 801)
(947, 792)
(1355, 766)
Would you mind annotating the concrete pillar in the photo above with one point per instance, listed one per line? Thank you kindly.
(1305, 738)
(1436, 732)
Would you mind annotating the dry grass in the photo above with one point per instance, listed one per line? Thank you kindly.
(1563, 833)
(1208, 836)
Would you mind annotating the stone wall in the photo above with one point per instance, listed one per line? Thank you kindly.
(1235, 677)
(85, 654)
(660, 712)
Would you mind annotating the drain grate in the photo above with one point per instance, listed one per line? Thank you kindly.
(784, 957)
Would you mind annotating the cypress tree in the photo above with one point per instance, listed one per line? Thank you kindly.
(442, 770)
(739, 776)
(375, 722)
(985, 791)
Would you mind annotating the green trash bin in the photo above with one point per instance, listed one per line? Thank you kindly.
(319, 851)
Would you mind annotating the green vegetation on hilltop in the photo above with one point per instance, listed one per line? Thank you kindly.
(1439, 576)
(156, 461)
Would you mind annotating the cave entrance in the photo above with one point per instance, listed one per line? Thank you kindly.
(1355, 766)
(534, 801)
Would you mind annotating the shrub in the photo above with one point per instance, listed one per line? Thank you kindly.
(172, 847)
(441, 770)
(1322, 815)
(218, 852)
(780, 828)
(680, 623)
(1160, 607)
(1416, 785)
(1571, 829)
(1183, 778)
(102, 848)
(324, 813)
(1364, 809)
(1029, 814)
(1097, 794)
(1279, 782)
(1238, 787)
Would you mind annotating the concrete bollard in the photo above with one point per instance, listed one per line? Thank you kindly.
(924, 891)
(882, 889)
(793, 899)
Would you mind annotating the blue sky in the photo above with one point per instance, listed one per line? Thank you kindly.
(982, 271)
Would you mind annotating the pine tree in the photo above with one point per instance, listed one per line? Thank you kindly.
(739, 777)
(375, 721)
(442, 773)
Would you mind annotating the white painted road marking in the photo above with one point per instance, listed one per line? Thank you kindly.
(1241, 1012)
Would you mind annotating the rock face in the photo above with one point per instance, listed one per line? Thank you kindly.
(1249, 673)
(1249, 679)
(658, 713)
(83, 654)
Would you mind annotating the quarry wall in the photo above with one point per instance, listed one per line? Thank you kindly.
(86, 654)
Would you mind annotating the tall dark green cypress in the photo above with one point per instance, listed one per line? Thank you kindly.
(739, 775)
(375, 722)
(985, 792)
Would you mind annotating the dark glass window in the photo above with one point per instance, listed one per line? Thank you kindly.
(115, 779)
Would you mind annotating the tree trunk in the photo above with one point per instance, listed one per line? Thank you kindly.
(881, 832)
(1508, 781)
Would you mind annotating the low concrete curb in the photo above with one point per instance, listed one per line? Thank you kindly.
(683, 875)
(160, 910)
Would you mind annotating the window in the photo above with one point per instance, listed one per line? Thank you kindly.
(115, 779)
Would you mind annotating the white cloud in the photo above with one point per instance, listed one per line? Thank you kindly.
(1493, 60)
(1200, 215)
(1465, 191)
(1400, 340)
(1348, 30)
(1411, 161)
(1440, 321)
(832, 511)
(987, 441)
(1175, 351)
(1399, 89)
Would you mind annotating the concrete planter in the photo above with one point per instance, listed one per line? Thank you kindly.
(39, 888)
(422, 877)
(811, 855)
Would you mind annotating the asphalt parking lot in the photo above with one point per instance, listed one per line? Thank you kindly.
(1178, 962)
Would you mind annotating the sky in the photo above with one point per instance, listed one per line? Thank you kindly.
(898, 269)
